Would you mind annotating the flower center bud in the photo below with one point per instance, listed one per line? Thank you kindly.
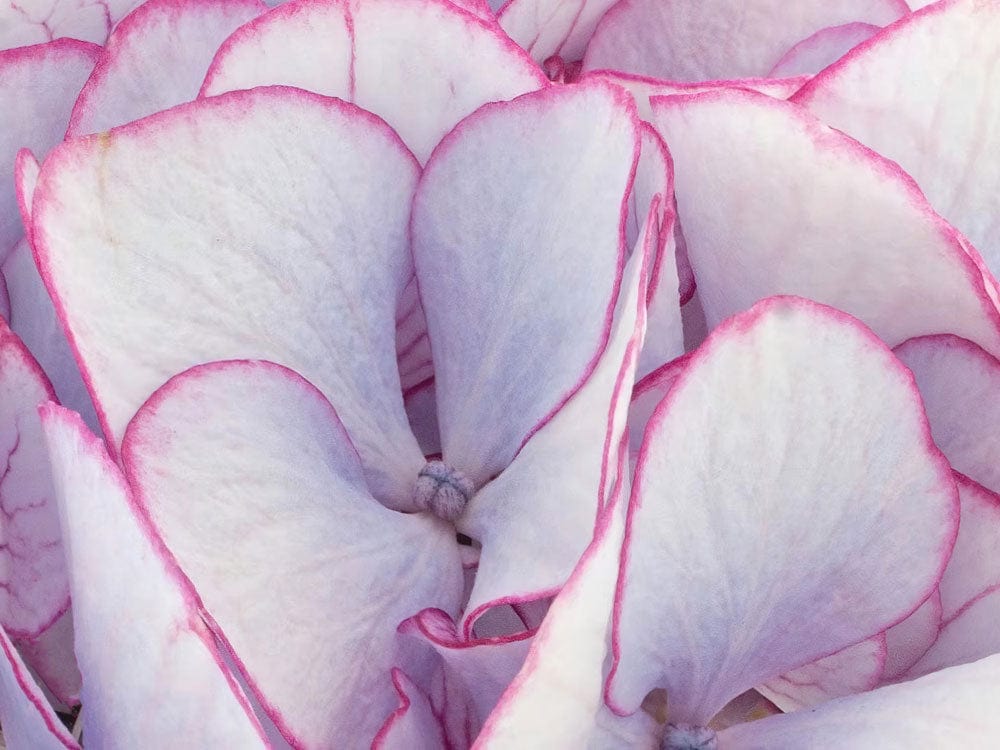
(442, 490)
(689, 737)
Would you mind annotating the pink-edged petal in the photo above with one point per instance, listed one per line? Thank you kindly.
(26, 171)
(156, 58)
(35, 21)
(547, 28)
(421, 65)
(537, 517)
(647, 395)
(654, 180)
(156, 264)
(38, 85)
(259, 495)
(908, 640)
(33, 588)
(960, 386)
(819, 50)
(951, 709)
(699, 40)
(923, 93)
(556, 698)
(51, 657)
(413, 725)
(33, 318)
(477, 670)
(520, 290)
(975, 564)
(849, 221)
(643, 88)
(153, 676)
(29, 723)
(855, 669)
(792, 435)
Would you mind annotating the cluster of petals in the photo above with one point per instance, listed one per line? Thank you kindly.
(438, 374)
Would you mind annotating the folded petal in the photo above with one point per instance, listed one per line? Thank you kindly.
(280, 234)
(413, 725)
(33, 587)
(910, 639)
(38, 85)
(849, 221)
(51, 657)
(28, 720)
(552, 27)
(153, 676)
(519, 256)
(155, 58)
(422, 66)
(791, 459)
(855, 669)
(953, 708)
(647, 395)
(259, 495)
(822, 48)
(923, 93)
(699, 40)
(960, 386)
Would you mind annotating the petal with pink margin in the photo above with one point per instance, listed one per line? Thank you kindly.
(819, 50)
(552, 27)
(924, 94)
(422, 65)
(480, 669)
(643, 89)
(764, 460)
(960, 386)
(247, 474)
(156, 264)
(855, 669)
(28, 720)
(51, 657)
(647, 395)
(556, 698)
(952, 708)
(156, 58)
(536, 519)
(33, 587)
(153, 676)
(413, 725)
(849, 220)
(519, 256)
(699, 40)
(37, 87)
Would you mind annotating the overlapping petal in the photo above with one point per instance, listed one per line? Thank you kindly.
(422, 66)
(155, 58)
(281, 235)
(153, 676)
(924, 94)
(792, 438)
(771, 201)
(37, 21)
(700, 40)
(253, 484)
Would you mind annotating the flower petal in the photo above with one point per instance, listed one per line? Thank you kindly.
(924, 94)
(37, 87)
(248, 475)
(520, 289)
(409, 62)
(699, 40)
(51, 657)
(953, 708)
(854, 669)
(849, 220)
(153, 676)
(822, 48)
(35, 21)
(647, 395)
(124, 231)
(413, 725)
(552, 27)
(908, 640)
(790, 460)
(960, 386)
(33, 587)
(155, 58)
(28, 720)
